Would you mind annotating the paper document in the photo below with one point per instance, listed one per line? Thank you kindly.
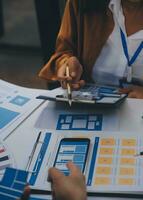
(61, 117)
(111, 164)
(16, 104)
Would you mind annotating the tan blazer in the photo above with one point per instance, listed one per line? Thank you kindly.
(82, 36)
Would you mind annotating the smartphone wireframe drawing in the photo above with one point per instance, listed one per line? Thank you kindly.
(74, 150)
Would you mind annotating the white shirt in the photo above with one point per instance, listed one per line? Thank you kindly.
(111, 65)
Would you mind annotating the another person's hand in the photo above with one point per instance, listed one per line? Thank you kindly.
(133, 92)
(75, 69)
(26, 194)
(70, 187)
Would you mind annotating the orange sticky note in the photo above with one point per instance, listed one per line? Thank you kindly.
(128, 152)
(104, 170)
(127, 171)
(107, 141)
(105, 160)
(102, 181)
(126, 181)
(108, 151)
(127, 161)
(128, 142)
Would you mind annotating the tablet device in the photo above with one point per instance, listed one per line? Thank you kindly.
(90, 94)
(93, 94)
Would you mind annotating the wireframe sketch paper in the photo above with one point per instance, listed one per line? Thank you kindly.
(16, 104)
(111, 164)
(63, 117)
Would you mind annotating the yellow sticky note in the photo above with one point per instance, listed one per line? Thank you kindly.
(128, 142)
(104, 170)
(127, 161)
(107, 151)
(126, 181)
(105, 160)
(128, 152)
(102, 181)
(107, 141)
(127, 171)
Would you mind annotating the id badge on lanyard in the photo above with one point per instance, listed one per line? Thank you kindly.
(126, 52)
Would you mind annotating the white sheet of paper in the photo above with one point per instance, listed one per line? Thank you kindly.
(49, 116)
(116, 169)
(16, 104)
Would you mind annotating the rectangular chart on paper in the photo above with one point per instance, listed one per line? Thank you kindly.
(88, 122)
(114, 164)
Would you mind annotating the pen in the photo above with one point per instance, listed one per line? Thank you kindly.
(43, 97)
(33, 151)
(69, 92)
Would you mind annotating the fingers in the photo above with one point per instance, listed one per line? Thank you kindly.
(26, 194)
(132, 92)
(61, 74)
(125, 90)
(73, 74)
(129, 91)
(74, 170)
(132, 95)
(75, 69)
(54, 175)
(63, 84)
(78, 85)
(74, 86)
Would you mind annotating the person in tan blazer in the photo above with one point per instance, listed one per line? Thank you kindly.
(91, 43)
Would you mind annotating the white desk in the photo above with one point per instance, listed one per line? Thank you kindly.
(129, 116)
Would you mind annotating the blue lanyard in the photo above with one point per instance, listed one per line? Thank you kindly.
(125, 48)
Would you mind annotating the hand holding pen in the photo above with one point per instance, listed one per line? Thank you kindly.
(75, 71)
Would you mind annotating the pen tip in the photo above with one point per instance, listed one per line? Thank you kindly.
(70, 102)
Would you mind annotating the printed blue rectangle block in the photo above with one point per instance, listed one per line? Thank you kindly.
(13, 183)
(18, 186)
(6, 116)
(10, 192)
(79, 158)
(21, 176)
(5, 197)
(81, 149)
(19, 100)
(9, 177)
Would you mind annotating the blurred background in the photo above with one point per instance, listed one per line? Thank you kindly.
(28, 30)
